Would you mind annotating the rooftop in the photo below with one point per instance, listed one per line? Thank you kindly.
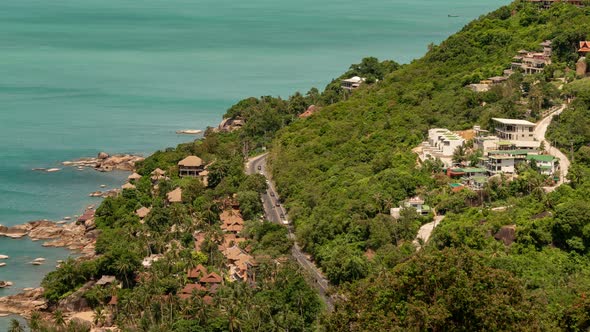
(514, 122)
(175, 196)
(191, 161)
(142, 212)
(354, 79)
(540, 157)
(511, 152)
(134, 176)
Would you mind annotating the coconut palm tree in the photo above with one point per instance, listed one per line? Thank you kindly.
(99, 316)
(35, 322)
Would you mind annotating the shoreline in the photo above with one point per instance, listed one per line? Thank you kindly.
(78, 236)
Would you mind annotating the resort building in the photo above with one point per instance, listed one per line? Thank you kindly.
(441, 144)
(546, 4)
(142, 212)
(158, 175)
(584, 46)
(352, 83)
(547, 165)
(175, 196)
(533, 62)
(513, 129)
(416, 203)
(190, 166)
(134, 177)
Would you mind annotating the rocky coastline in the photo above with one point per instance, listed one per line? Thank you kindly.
(76, 236)
(79, 237)
(104, 162)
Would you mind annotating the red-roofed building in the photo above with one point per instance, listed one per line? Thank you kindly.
(189, 289)
(88, 214)
(584, 46)
(198, 272)
(211, 278)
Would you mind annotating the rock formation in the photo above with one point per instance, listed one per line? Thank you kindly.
(72, 236)
(24, 303)
(106, 163)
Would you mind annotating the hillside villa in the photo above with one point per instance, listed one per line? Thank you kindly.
(547, 165)
(416, 203)
(441, 144)
(352, 83)
(533, 62)
(546, 4)
(527, 62)
(190, 166)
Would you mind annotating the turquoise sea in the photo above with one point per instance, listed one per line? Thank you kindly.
(82, 76)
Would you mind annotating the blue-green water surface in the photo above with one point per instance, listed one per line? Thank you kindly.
(82, 76)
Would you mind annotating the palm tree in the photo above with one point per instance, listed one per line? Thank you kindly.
(35, 322)
(15, 326)
(99, 316)
(58, 318)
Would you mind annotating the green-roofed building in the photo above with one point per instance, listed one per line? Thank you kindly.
(546, 164)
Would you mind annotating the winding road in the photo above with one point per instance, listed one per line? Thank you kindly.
(275, 212)
(539, 134)
(425, 231)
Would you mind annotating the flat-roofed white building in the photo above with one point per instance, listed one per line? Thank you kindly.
(514, 129)
(352, 83)
(441, 144)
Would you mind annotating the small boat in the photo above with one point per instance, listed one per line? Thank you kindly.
(61, 222)
(189, 131)
(36, 263)
(4, 257)
(2, 264)
(453, 15)
(40, 259)
(51, 170)
(39, 169)
(103, 185)
(67, 218)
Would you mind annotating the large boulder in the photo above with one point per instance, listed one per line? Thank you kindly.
(103, 155)
(76, 300)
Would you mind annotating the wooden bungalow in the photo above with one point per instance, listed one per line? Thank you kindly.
(190, 166)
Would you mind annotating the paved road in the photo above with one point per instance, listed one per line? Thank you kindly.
(539, 134)
(425, 231)
(275, 212)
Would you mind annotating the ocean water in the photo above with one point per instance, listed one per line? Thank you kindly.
(82, 76)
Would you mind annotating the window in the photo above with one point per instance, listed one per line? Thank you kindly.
(531, 129)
